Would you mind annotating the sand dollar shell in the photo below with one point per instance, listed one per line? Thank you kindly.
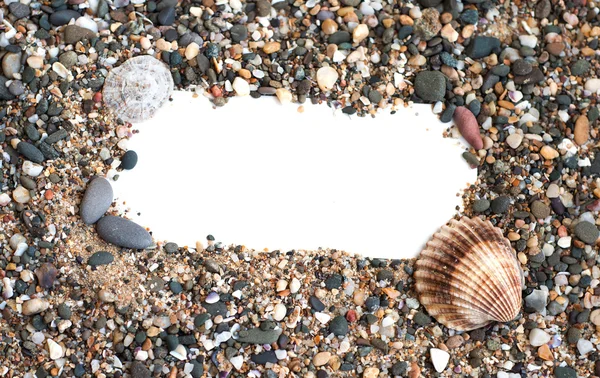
(468, 277)
(136, 89)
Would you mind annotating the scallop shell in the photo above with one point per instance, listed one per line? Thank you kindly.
(136, 89)
(468, 277)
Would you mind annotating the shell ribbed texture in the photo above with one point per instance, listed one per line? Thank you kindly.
(467, 276)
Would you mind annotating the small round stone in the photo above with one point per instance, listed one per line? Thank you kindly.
(129, 160)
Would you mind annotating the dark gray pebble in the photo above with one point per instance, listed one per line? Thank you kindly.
(101, 258)
(500, 205)
(338, 326)
(62, 17)
(97, 199)
(123, 232)
(430, 86)
(258, 336)
(30, 151)
(138, 370)
(166, 16)
(129, 160)
(19, 10)
(587, 232)
(264, 357)
(238, 33)
(564, 372)
(481, 47)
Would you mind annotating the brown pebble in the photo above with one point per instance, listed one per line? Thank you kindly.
(555, 48)
(329, 26)
(271, 47)
(46, 275)
(455, 342)
(468, 127)
(415, 371)
(545, 353)
(582, 130)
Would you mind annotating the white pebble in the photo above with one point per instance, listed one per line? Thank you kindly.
(180, 353)
(564, 242)
(56, 351)
(294, 285)
(280, 311)
(32, 169)
(514, 140)
(237, 362)
(584, 346)
(592, 85)
(241, 86)
(538, 337)
(439, 358)
(322, 317)
(528, 40)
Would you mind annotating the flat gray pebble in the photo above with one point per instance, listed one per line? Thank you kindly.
(123, 232)
(97, 199)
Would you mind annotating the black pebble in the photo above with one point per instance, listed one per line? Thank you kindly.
(129, 160)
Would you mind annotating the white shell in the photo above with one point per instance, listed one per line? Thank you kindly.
(468, 277)
(136, 89)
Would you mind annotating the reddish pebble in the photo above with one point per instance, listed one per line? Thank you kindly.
(97, 97)
(216, 91)
(562, 232)
(48, 194)
(351, 316)
(468, 127)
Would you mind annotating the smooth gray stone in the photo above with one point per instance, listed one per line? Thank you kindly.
(97, 199)
(123, 232)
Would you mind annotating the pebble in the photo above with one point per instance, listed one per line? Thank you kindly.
(11, 64)
(587, 232)
(538, 337)
(540, 210)
(514, 140)
(21, 194)
(192, 50)
(339, 326)
(439, 359)
(62, 17)
(55, 350)
(129, 160)
(481, 205)
(74, 34)
(326, 78)
(481, 47)
(564, 372)
(32, 169)
(321, 359)
(581, 131)
(138, 370)
(19, 10)
(584, 347)
(468, 127)
(101, 258)
(360, 33)
(279, 312)
(430, 86)
(123, 232)
(258, 336)
(537, 300)
(34, 306)
(241, 87)
(96, 201)
(371, 372)
(30, 152)
(549, 153)
(283, 95)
